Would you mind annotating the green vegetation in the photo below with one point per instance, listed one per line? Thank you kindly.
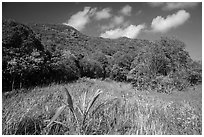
(120, 109)
(44, 53)
(134, 74)
(83, 110)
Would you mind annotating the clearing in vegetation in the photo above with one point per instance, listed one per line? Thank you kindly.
(120, 109)
(148, 87)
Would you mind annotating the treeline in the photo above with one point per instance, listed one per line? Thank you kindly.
(57, 53)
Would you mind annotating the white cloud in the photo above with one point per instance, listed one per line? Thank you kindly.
(116, 21)
(103, 14)
(81, 18)
(173, 5)
(160, 24)
(131, 31)
(179, 5)
(126, 10)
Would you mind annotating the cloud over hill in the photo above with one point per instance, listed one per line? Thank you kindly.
(160, 24)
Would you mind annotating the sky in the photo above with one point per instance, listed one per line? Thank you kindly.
(142, 20)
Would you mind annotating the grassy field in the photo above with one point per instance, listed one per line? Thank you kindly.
(120, 109)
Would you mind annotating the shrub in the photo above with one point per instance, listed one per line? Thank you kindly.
(103, 60)
(195, 73)
(163, 84)
(119, 74)
(121, 65)
(140, 76)
(174, 50)
(195, 78)
(124, 61)
(166, 58)
(100, 57)
(90, 68)
(62, 67)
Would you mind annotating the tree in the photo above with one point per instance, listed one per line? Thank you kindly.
(91, 68)
(195, 72)
(103, 60)
(174, 50)
(165, 59)
(23, 54)
(117, 73)
(121, 65)
(63, 67)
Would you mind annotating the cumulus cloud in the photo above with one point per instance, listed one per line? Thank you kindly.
(173, 5)
(160, 24)
(131, 31)
(179, 5)
(126, 10)
(103, 14)
(81, 18)
(118, 20)
(115, 22)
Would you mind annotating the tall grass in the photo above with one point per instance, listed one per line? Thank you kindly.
(83, 109)
(119, 110)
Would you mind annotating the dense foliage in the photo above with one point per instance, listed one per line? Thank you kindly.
(23, 56)
(43, 53)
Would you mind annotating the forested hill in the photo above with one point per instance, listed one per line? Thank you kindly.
(37, 54)
(66, 37)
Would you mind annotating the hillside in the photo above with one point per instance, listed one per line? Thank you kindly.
(66, 37)
(110, 87)
(38, 54)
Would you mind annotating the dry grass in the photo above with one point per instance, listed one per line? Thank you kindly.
(122, 111)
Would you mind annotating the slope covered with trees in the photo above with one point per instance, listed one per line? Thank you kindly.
(39, 54)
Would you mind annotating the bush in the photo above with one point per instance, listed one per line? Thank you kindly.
(163, 84)
(167, 59)
(195, 78)
(91, 68)
(103, 60)
(174, 50)
(140, 76)
(119, 74)
(124, 61)
(121, 65)
(62, 67)
(195, 73)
